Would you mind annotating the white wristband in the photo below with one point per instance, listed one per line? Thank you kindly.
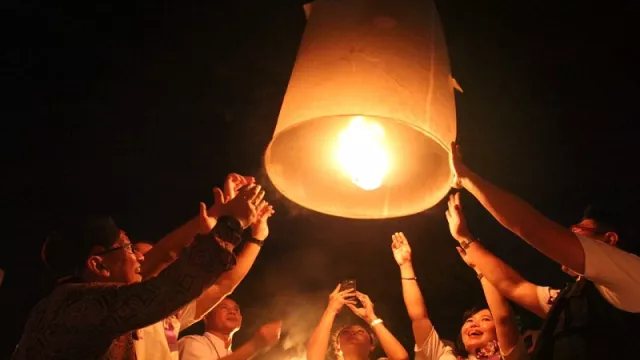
(375, 322)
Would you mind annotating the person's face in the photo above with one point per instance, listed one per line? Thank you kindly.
(120, 263)
(354, 339)
(478, 330)
(225, 317)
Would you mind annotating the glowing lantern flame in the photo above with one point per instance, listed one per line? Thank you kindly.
(362, 154)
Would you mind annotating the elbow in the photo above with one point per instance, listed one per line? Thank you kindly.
(404, 356)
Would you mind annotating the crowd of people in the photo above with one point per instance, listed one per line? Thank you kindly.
(116, 300)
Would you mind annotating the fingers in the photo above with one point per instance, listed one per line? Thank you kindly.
(203, 212)
(364, 298)
(461, 251)
(218, 196)
(343, 293)
(336, 290)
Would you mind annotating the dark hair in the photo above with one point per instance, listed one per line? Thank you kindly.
(66, 249)
(459, 349)
(336, 336)
(609, 219)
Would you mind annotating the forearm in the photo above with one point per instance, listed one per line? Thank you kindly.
(411, 293)
(391, 346)
(499, 274)
(317, 345)
(168, 248)
(507, 282)
(506, 328)
(416, 307)
(228, 281)
(523, 220)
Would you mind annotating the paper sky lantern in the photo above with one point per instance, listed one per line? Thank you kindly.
(369, 113)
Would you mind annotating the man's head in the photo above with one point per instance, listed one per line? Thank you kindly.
(225, 318)
(92, 250)
(598, 223)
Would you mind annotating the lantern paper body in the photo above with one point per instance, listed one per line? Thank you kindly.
(369, 113)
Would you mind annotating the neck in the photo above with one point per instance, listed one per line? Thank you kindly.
(355, 356)
(226, 337)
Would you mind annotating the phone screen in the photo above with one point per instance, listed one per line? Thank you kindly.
(347, 285)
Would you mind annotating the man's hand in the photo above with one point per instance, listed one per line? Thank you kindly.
(268, 334)
(243, 205)
(232, 185)
(260, 228)
(458, 168)
(401, 249)
(366, 311)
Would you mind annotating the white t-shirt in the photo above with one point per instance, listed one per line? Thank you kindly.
(202, 347)
(615, 273)
(434, 349)
(152, 341)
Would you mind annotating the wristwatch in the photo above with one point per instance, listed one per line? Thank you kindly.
(466, 242)
(251, 239)
(231, 222)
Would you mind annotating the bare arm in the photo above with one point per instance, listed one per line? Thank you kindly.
(391, 346)
(413, 300)
(506, 280)
(416, 308)
(550, 238)
(503, 317)
(228, 281)
(321, 336)
(167, 249)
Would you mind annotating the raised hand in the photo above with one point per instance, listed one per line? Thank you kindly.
(232, 185)
(243, 205)
(260, 228)
(458, 168)
(366, 311)
(268, 334)
(337, 299)
(456, 219)
(401, 248)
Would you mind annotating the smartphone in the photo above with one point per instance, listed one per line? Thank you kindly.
(347, 285)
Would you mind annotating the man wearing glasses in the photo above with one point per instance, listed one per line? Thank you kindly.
(594, 318)
(96, 310)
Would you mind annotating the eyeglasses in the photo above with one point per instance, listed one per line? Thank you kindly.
(127, 246)
(577, 229)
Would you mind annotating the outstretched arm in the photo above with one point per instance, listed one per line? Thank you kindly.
(169, 247)
(550, 238)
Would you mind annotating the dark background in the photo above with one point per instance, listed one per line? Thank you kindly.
(138, 110)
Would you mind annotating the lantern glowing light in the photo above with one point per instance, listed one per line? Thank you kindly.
(369, 113)
(362, 153)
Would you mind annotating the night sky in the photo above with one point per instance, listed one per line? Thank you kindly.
(138, 111)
